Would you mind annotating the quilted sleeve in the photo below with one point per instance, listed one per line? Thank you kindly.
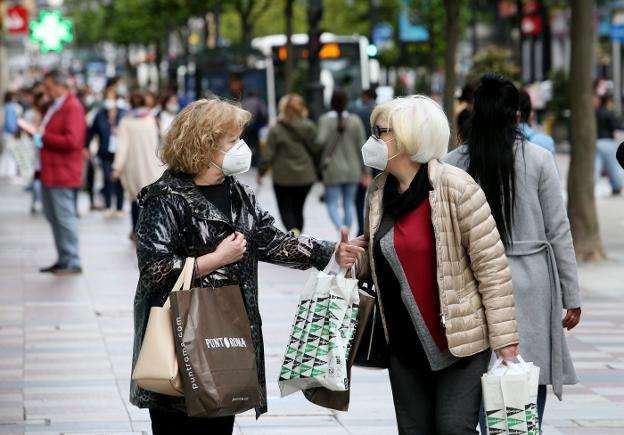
(489, 265)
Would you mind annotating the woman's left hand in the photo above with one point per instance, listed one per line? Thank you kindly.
(507, 353)
(572, 318)
(348, 250)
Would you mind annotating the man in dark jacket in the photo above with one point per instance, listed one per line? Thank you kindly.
(61, 138)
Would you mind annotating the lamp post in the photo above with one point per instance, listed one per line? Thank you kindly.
(314, 88)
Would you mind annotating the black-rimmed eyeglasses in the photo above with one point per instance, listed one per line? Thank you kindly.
(377, 130)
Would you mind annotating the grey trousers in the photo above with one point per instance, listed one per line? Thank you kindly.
(59, 209)
(444, 402)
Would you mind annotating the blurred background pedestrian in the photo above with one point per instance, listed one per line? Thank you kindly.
(292, 154)
(105, 127)
(341, 135)
(136, 161)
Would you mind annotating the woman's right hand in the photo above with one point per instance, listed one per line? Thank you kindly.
(508, 353)
(231, 249)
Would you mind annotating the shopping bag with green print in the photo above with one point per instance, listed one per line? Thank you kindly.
(510, 398)
(321, 335)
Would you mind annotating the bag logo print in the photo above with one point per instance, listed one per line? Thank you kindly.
(227, 342)
(187, 361)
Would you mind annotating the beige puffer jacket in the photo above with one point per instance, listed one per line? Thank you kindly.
(474, 279)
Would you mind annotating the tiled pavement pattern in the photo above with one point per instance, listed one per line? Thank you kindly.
(65, 343)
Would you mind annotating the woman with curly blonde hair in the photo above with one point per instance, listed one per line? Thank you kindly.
(199, 209)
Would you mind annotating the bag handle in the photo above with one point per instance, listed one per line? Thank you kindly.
(184, 279)
(331, 267)
(521, 367)
(186, 276)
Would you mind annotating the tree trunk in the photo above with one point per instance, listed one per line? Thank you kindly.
(290, 55)
(581, 200)
(245, 31)
(452, 37)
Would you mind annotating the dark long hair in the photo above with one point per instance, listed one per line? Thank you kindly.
(338, 103)
(492, 137)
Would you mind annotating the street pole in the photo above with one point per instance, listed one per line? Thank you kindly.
(314, 88)
(4, 69)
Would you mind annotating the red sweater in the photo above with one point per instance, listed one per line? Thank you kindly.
(415, 245)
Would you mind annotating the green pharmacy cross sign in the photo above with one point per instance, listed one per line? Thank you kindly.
(51, 31)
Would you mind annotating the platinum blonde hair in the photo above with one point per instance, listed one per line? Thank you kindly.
(419, 126)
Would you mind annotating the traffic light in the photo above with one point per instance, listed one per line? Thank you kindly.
(371, 50)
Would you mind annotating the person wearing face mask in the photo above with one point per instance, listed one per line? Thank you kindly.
(439, 269)
(136, 162)
(199, 209)
(170, 108)
(105, 127)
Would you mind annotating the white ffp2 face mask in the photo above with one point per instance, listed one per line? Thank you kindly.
(237, 160)
(375, 153)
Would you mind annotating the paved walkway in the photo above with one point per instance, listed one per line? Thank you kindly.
(65, 343)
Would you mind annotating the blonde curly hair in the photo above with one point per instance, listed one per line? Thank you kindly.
(196, 133)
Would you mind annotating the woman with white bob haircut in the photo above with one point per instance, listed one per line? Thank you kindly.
(439, 267)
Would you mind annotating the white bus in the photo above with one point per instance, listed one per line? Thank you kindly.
(344, 63)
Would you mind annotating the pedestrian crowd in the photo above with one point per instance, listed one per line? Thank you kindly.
(470, 252)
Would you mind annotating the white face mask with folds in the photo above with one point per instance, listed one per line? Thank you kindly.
(375, 153)
(237, 160)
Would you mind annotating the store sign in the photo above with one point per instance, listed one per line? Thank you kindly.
(16, 20)
(51, 31)
(617, 32)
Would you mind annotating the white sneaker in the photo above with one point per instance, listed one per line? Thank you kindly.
(108, 214)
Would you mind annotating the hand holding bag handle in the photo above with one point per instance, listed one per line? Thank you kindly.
(156, 368)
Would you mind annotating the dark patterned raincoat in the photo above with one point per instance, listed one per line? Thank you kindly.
(176, 222)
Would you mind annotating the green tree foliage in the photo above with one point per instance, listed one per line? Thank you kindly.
(494, 59)
(433, 16)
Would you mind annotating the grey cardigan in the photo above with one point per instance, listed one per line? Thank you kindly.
(542, 261)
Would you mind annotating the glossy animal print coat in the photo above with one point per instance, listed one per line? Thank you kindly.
(176, 222)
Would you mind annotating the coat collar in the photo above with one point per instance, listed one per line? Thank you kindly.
(435, 168)
(182, 184)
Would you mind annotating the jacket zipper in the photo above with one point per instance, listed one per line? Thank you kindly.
(436, 229)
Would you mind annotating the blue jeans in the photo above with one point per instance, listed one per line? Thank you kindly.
(60, 211)
(605, 156)
(541, 405)
(333, 192)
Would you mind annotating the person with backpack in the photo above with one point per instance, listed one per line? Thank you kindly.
(341, 135)
(292, 153)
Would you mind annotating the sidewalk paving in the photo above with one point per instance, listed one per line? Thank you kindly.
(66, 343)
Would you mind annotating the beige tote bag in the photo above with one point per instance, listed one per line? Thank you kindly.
(157, 366)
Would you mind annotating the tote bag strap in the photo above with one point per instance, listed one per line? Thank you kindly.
(184, 279)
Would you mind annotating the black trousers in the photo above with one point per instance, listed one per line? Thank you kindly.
(90, 182)
(444, 402)
(290, 201)
(360, 199)
(111, 187)
(177, 423)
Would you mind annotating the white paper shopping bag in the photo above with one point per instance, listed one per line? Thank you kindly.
(510, 398)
